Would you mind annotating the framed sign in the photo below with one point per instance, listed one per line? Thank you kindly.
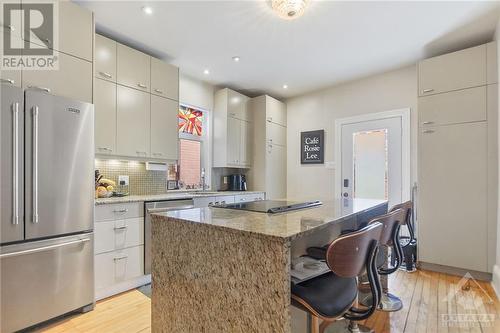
(312, 147)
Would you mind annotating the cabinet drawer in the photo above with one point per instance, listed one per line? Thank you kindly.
(249, 197)
(224, 199)
(73, 79)
(276, 134)
(133, 68)
(118, 266)
(454, 107)
(204, 202)
(119, 234)
(119, 211)
(453, 71)
(105, 58)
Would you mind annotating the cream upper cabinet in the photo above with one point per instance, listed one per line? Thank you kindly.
(73, 79)
(164, 132)
(459, 106)
(452, 203)
(105, 58)
(12, 77)
(133, 68)
(453, 71)
(133, 122)
(276, 134)
(237, 105)
(75, 31)
(233, 141)
(275, 111)
(246, 143)
(105, 117)
(491, 63)
(232, 133)
(164, 79)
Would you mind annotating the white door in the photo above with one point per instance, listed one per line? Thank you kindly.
(372, 160)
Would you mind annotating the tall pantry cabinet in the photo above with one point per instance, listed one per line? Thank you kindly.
(457, 161)
(269, 157)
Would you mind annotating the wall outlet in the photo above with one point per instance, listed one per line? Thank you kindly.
(122, 180)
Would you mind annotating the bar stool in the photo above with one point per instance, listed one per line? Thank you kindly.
(392, 222)
(408, 243)
(333, 295)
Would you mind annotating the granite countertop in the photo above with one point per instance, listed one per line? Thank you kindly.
(169, 196)
(287, 226)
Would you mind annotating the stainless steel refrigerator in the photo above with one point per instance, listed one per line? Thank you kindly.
(47, 207)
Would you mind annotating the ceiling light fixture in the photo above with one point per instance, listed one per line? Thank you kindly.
(148, 10)
(236, 59)
(285, 86)
(206, 72)
(289, 9)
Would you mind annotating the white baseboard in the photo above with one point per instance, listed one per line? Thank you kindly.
(122, 286)
(496, 280)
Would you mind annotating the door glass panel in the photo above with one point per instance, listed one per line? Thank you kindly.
(370, 162)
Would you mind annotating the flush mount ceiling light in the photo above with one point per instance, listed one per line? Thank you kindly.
(147, 10)
(289, 9)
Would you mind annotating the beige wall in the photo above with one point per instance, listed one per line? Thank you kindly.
(318, 110)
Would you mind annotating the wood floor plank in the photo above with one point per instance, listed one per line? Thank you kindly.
(428, 297)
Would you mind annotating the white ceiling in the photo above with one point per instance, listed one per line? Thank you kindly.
(333, 42)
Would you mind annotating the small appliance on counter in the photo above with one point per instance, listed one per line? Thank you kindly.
(236, 182)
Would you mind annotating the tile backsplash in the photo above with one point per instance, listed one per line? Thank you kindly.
(141, 181)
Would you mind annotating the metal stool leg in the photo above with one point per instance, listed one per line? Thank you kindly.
(346, 326)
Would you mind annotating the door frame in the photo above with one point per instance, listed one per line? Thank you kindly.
(404, 115)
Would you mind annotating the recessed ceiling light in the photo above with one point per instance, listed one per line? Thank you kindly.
(285, 86)
(148, 10)
(236, 59)
(206, 72)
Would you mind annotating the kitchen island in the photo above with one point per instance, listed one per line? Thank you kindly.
(225, 270)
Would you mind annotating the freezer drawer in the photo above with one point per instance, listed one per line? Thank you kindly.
(44, 279)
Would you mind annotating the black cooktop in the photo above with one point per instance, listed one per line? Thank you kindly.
(270, 206)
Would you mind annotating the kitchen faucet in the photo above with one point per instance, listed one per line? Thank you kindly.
(202, 180)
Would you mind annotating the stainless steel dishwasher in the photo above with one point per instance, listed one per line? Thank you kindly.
(159, 207)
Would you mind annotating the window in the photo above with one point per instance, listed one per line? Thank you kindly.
(189, 163)
(192, 134)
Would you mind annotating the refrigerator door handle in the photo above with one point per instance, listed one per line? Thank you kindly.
(35, 164)
(44, 248)
(15, 162)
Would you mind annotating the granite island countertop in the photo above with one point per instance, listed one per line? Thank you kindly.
(169, 196)
(288, 226)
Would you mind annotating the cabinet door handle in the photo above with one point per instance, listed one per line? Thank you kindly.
(427, 122)
(157, 154)
(158, 91)
(120, 210)
(232, 114)
(121, 228)
(428, 131)
(120, 258)
(105, 148)
(427, 91)
(15, 163)
(35, 164)
(140, 85)
(141, 153)
(9, 81)
(47, 90)
(105, 74)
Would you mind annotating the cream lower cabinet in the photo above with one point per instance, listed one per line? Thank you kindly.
(452, 210)
(118, 248)
(73, 79)
(105, 117)
(164, 132)
(133, 122)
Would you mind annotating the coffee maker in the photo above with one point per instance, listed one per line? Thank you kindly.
(237, 182)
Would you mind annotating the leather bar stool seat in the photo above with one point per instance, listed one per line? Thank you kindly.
(330, 295)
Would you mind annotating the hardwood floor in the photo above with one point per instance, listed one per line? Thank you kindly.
(429, 300)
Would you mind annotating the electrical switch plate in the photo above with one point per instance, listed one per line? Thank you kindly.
(122, 180)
